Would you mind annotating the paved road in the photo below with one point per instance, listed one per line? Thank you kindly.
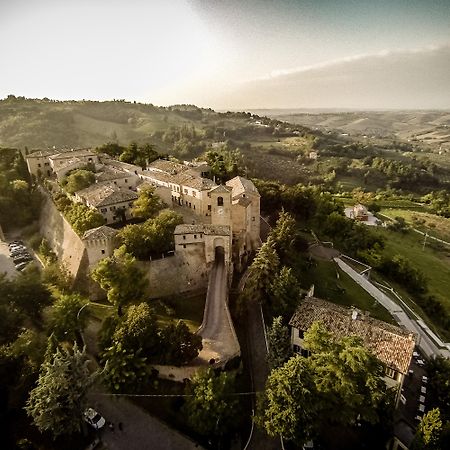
(257, 361)
(426, 344)
(139, 431)
(219, 339)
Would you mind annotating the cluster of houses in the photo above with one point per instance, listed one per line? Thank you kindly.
(232, 211)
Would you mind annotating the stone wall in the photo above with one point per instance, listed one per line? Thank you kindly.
(177, 274)
(67, 245)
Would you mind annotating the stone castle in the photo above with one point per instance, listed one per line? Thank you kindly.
(219, 219)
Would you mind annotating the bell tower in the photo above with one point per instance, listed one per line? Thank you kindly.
(220, 205)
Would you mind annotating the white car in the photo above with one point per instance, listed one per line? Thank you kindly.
(93, 418)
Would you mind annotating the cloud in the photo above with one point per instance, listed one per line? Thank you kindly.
(399, 79)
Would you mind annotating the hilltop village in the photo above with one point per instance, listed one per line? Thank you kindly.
(225, 216)
(176, 281)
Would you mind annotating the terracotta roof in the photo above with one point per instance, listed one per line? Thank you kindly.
(241, 185)
(99, 195)
(243, 201)
(221, 189)
(111, 173)
(221, 230)
(102, 232)
(72, 153)
(40, 153)
(192, 179)
(170, 167)
(392, 345)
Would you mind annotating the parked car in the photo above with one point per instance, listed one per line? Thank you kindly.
(21, 265)
(17, 248)
(18, 252)
(93, 418)
(22, 258)
(12, 243)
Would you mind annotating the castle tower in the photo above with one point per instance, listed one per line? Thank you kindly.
(220, 205)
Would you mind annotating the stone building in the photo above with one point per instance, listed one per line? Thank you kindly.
(100, 243)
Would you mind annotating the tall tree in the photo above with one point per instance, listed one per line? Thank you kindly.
(64, 319)
(348, 375)
(210, 409)
(429, 431)
(179, 345)
(289, 406)
(284, 293)
(120, 277)
(148, 203)
(57, 403)
(284, 233)
(279, 343)
(262, 272)
(78, 180)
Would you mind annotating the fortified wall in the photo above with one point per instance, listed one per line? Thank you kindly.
(67, 245)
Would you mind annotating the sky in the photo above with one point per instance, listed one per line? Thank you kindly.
(230, 54)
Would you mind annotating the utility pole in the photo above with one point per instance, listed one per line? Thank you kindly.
(424, 241)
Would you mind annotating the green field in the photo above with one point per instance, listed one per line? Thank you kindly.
(436, 226)
(433, 262)
(343, 290)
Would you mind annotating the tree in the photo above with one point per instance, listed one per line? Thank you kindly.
(147, 204)
(64, 321)
(210, 409)
(439, 375)
(279, 343)
(288, 407)
(125, 369)
(57, 403)
(138, 330)
(429, 431)
(262, 272)
(347, 375)
(77, 180)
(153, 237)
(284, 233)
(120, 277)
(179, 345)
(83, 218)
(284, 292)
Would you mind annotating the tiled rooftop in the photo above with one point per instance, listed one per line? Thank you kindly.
(102, 232)
(99, 195)
(392, 345)
(241, 185)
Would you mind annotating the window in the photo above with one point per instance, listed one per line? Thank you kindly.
(209, 207)
(253, 219)
(301, 334)
(39, 164)
(219, 201)
(194, 206)
(184, 245)
(184, 237)
(46, 164)
(194, 193)
(195, 236)
(185, 191)
(390, 372)
(103, 210)
(296, 348)
(115, 182)
(103, 252)
(126, 181)
(112, 208)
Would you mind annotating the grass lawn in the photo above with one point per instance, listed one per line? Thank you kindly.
(434, 263)
(436, 226)
(343, 290)
(189, 309)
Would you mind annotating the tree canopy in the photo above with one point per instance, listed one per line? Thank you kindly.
(57, 403)
(120, 277)
(147, 204)
(210, 410)
(77, 180)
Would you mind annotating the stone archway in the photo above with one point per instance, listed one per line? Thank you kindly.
(219, 249)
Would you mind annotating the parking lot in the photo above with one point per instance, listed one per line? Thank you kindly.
(6, 263)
